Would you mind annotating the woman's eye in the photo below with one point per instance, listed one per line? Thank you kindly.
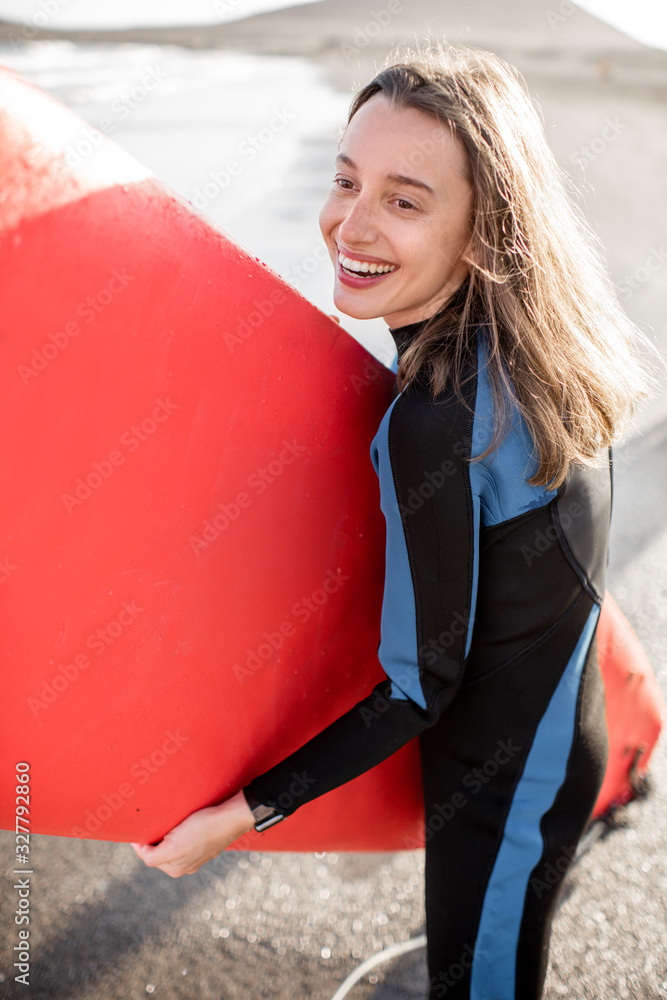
(403, 202)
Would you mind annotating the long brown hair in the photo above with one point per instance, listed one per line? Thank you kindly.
(558, 339)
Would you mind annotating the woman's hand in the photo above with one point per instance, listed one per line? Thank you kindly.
(336, 319)
(199, 838)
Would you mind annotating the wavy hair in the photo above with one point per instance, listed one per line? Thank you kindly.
(559, 342)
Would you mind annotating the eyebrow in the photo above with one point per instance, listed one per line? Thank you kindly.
(398, 178)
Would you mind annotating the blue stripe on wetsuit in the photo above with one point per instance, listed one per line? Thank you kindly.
(499, 492)
(398, 626)
(494, 961)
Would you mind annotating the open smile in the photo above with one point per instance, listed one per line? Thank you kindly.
(358, 273)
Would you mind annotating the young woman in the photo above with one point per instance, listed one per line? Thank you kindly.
(516, 367)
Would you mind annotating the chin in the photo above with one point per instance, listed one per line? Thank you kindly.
(357, 310)
(357, 313)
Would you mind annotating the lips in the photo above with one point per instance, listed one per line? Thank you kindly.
(360, 279)
(354, 281)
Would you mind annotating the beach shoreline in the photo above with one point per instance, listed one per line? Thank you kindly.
(353, 43)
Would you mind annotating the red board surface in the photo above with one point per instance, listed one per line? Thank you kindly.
(634, 704)
(192, 543)
(190, 526)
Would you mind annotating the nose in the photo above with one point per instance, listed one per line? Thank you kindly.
(358, 225)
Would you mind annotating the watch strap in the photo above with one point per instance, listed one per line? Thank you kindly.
(265, 816)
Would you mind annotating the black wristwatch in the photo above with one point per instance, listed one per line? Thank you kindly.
(265, 816)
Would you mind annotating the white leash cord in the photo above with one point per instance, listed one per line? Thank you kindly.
(382, 956)
(586, 842)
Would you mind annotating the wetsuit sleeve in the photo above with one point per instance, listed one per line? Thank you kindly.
(420, 454)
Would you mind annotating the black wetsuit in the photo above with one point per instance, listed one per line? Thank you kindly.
(492, 594)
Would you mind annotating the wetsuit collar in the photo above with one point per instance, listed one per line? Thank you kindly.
(403, 335)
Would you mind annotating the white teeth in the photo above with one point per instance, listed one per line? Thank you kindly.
(364, 266)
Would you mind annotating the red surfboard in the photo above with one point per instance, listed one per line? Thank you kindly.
(634, 704)
(191, 536)
(192, 544)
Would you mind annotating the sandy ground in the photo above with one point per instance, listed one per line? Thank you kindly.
(284, 925)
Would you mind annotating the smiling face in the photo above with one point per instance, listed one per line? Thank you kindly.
(401, 196)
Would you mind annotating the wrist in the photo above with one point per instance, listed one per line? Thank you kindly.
(238, 806)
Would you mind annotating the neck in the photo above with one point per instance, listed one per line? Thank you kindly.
(406, 333)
